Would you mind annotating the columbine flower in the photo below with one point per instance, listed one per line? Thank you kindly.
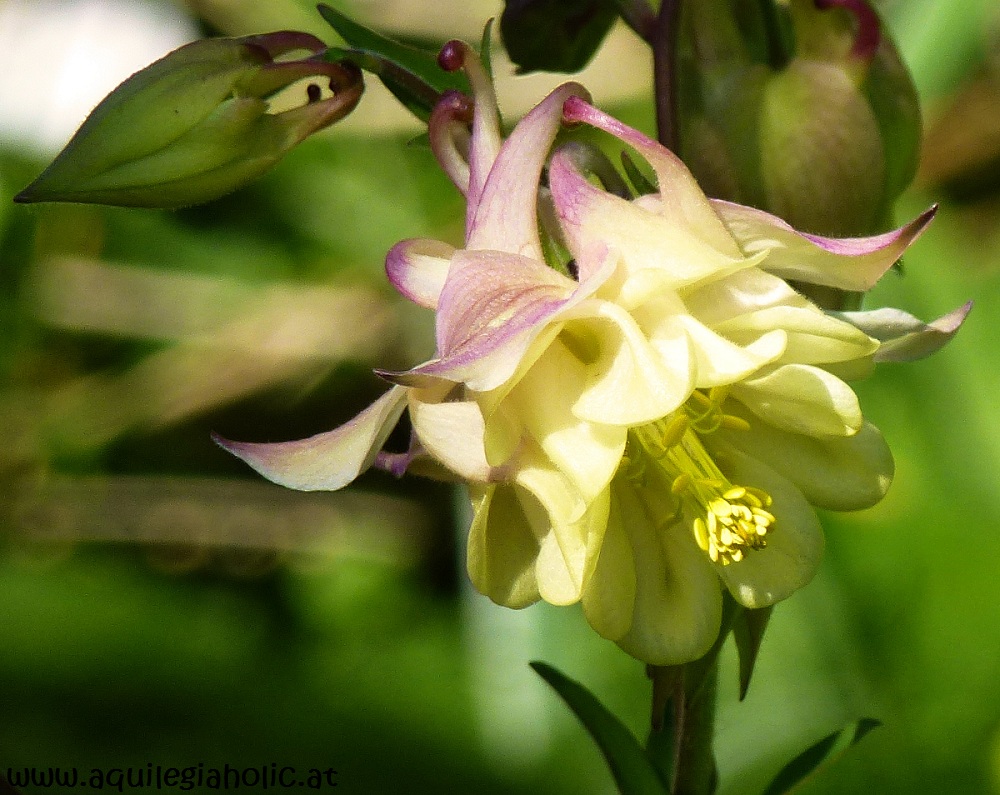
(651, 425)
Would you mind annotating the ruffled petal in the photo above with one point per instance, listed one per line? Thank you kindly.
(680, 197)
(794, 543)
(502, 548)
(588, 453)
(506, 218)
(840, 473)
(591, 217)
(813, 337)
(677, 602)
(628, 382)
(570, 529)
(492, 307)
(418, 269)
(327, 461)
(847, 264)
(802, 399)
(738, 294)
(678, 336)
(904, 338)
(453, 433)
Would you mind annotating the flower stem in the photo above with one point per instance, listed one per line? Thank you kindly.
(694, 766)
(681, 741)
(681, 745)
(664, 42)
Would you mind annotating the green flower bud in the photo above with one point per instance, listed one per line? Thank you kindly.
(197, 124)
(806, 112)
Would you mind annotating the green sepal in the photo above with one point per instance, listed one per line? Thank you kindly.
(553, 35)
(631, 768)
(411, 74)
(748, 632)
(826, 750)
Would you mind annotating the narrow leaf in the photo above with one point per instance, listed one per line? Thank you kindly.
(411, 74)
(827, 750)
(633, 772)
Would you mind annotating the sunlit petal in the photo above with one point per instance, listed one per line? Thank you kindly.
(452, 432)
(848, 264)
(586, 452)
(628, 381)
(813, 337)
(327, 461)
(418, 269)
(802, 399)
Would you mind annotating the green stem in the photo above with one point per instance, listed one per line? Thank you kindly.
(694, 761)
(680, 744)
(681, 741)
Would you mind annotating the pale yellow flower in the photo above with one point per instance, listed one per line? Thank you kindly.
(648, 427)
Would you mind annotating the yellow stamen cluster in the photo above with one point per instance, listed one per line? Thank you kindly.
(735, 522)
(730, 520)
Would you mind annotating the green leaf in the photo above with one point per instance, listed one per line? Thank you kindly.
(411, 74)
(826, 750)
(555, 35)
(633, 772)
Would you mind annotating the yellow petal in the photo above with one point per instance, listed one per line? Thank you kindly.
(677, 603)
(502, 548)
(802, 399)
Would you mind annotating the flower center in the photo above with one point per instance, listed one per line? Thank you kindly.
(730, 520)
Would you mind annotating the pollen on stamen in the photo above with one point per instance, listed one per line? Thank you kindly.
(734, 523)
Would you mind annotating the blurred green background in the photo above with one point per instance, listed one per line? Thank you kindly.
(159, 604)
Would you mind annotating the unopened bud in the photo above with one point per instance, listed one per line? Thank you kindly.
(197, 124)
(825, 135)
